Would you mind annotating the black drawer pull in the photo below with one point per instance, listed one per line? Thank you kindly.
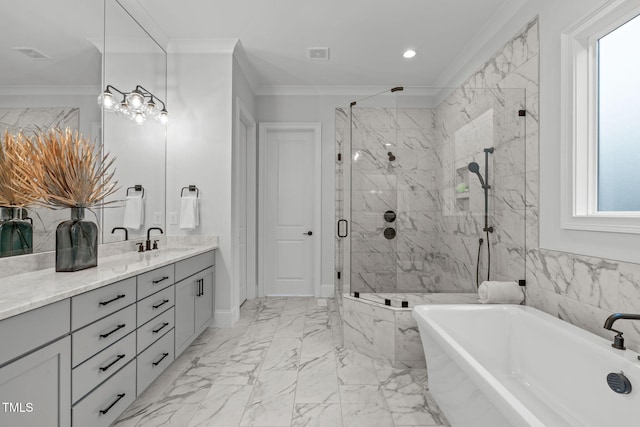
(160, 280)
(161, 359)
(115, 330)
(104, 411)
(164, 325)
(112, 300)
(104, 368)
(164, 301)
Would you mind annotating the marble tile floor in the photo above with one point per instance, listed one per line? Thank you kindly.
(282, 364)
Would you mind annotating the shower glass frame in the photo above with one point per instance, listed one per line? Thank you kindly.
(433, 133)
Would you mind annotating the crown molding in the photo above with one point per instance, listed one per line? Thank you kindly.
(202, 45)
(305, 90)
(57, 90)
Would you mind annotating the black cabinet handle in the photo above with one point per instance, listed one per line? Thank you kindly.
(104, 411)
(201, 287)
(346, 228)
(164, 301)
(199, 283)
(104, 368)
(112, 300)
(164, 325)
(161, 359)
(159, 280)
(115, 330)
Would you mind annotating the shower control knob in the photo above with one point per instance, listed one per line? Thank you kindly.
(308, 233)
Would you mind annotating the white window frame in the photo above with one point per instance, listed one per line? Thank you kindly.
(580, 124)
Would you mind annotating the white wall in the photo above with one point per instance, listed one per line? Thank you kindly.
(199, 151)
(313, 108)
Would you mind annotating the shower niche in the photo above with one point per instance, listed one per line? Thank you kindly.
(461, 189)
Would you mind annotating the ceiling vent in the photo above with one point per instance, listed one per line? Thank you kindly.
(319, 53)
(31, 52)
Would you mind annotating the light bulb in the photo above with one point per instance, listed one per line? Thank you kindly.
(135, 99)
(409, 53)
(106, 101)
(163, 117)
(138, 118)
(151, 109)
(123, 110)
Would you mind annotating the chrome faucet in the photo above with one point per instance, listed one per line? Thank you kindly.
(618, 340)
(148, 243)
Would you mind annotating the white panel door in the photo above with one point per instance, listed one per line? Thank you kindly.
(242, 214)
(290, 256)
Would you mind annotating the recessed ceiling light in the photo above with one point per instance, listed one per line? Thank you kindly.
(409, 53)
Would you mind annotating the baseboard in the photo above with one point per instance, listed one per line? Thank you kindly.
(225, 318)
(327, 290)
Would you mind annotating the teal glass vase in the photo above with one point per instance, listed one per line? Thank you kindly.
(76, 243)
(16, 234)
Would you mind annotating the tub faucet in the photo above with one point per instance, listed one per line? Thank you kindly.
(618, 340)
(148, 243)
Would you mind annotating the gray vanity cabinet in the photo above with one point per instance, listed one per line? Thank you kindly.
(35, 368)
(35, 390)
(194, 299)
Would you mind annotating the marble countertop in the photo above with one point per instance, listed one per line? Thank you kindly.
(23, 292)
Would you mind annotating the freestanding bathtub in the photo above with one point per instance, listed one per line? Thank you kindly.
(511, 366)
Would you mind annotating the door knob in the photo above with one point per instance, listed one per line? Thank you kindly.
(308, 233)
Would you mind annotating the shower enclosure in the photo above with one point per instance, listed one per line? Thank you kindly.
(414, 215)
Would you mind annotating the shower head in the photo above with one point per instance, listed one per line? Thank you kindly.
(391, 156)
(475, 168)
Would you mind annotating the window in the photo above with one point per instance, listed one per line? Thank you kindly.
(618, 124)
(601, 119)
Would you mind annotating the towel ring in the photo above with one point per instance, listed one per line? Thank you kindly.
(136, 188)
(191, 189)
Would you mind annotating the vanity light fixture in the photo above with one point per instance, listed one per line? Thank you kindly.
(409, 53)
(139, 105)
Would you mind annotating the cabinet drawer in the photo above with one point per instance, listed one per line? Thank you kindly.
(154, 360)
(155, 304)
(30, 330)
(151, 331)
(101, 334)
(105, 404)
(100, 367)
(194, 264)
(93, 305)
(153, 281)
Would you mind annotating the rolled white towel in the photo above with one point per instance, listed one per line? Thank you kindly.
(189, 215)
(134, 212)
(494, 292)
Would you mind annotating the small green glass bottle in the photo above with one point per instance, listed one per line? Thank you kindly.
(16, 234)
(76, 243)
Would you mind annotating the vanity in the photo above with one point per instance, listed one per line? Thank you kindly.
(78, 348)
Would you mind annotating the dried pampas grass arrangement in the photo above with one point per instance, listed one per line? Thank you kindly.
(67, 171)
(15, 151)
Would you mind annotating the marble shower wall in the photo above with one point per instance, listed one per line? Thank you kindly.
(29, 120)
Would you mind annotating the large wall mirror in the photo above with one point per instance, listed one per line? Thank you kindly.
(55, 59)
(133, 60)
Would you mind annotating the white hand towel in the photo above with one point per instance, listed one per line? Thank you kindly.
(134, 212)
(494, 292)
(189, 215)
